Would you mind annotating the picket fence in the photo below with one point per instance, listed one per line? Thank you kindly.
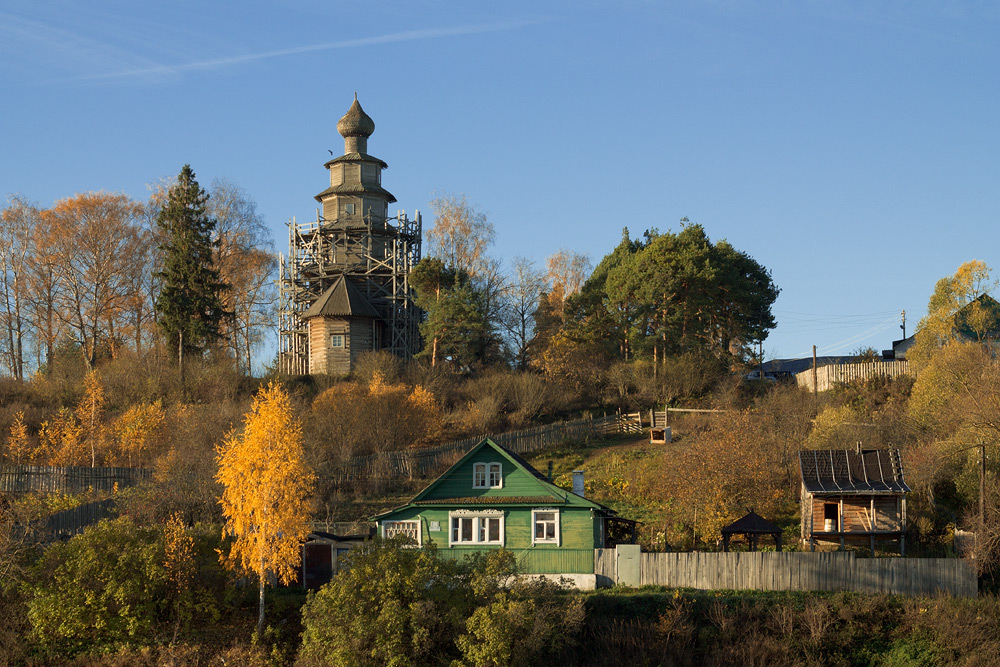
(794, 571)
(21, 479)
(827, 376)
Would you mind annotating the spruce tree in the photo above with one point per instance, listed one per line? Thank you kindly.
(189, 305)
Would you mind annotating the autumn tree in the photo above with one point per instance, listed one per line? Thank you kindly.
(19, 449)
(16, 223)
(566, 271)
(266, 489)
(959, 308)
(246, 264)
(136, 433)
(94, 241)
(44, 291)
(90, 415)
(461, 234)
(189, 305)
(520, 301)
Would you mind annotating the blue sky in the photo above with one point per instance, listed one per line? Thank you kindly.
(850, 147)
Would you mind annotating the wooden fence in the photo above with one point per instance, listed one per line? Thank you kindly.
(827, 376)
(422, 463)
(68, 523)
(20, 479)
(629, 422)
(796, 571)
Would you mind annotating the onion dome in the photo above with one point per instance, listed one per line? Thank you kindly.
(356, 123)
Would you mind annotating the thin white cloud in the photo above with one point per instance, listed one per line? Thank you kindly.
(26, 42)
(217, 63)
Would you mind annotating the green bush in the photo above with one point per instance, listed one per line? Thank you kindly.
(119, 583)
(394, 606)
(106, 585)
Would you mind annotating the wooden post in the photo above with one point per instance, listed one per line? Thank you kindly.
(840, 521)
(873, 526)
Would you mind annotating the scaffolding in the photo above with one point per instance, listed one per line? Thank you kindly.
(374, 254)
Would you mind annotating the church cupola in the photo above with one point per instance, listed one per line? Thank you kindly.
(356, 126)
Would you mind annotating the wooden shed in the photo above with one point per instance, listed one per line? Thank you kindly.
(853, 498)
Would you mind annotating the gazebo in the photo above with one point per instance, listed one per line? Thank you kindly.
(752, 526)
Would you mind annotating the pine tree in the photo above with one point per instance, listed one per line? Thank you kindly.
(189, 305)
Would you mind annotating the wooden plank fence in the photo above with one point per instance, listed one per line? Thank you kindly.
(827, 376)
(629, 422)
(422, 463)
(797, 571)
(20, 479)
(68, 523)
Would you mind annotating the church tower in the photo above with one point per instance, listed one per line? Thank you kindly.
(345, 283)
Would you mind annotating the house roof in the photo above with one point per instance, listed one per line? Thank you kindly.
(979, 318)
(342, 299)
(752, 524)
(842, 472)
(548, 493)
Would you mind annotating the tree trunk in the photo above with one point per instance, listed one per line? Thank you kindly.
(260, 617)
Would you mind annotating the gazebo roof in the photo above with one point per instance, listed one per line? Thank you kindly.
(751, 524)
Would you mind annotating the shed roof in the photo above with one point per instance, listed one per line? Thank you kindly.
(342, 299)
(841, 471)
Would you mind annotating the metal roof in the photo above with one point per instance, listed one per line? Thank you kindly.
(841, 471)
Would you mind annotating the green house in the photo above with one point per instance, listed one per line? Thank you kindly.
(491, 499)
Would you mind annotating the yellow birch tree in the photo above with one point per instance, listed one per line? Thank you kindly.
(266, 488)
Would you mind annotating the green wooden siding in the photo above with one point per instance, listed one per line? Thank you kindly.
(521, 492)
(541, 561)
(578, 532)
(458, 482)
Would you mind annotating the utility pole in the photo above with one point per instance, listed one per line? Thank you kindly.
(815, 387)
(903, 325)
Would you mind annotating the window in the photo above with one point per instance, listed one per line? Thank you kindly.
(337, 340)
(484, 527)
(349, 209)
(408, 529)
(487, 476)
(545, 526)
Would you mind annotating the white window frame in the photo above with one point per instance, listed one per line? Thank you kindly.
(483, 473)
(410, 527)
(343, 341)
(534, 523)
(477, 517)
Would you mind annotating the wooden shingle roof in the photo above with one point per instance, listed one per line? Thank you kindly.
(841, 471)
(342, 299)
